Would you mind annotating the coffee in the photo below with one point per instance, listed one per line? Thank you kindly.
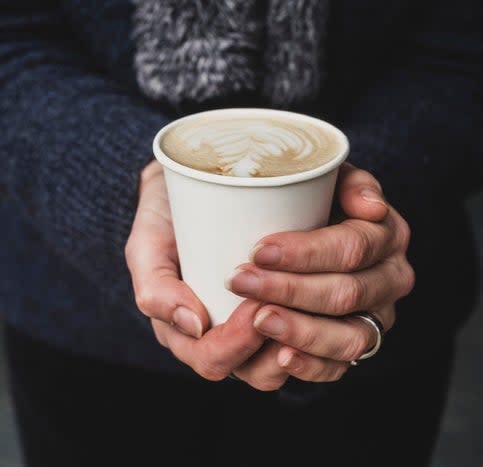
(250, 146)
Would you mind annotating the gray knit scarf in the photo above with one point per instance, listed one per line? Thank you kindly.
(196, 50)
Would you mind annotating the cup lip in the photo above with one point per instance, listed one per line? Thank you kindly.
(279, 180)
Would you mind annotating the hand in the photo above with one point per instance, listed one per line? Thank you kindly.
(178, 317)
(357, 264)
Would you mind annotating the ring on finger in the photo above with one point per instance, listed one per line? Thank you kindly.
(376, 324)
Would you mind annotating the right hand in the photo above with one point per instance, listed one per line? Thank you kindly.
(179, 319)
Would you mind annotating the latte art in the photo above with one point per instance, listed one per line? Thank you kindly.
(249, 146)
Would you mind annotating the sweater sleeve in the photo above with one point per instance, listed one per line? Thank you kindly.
(73, 144)
(417, 124)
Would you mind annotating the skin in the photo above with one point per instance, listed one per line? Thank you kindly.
(358, 263)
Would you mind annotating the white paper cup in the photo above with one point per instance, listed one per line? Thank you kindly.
(218, 219)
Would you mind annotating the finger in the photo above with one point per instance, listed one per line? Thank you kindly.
(262, 371)
(327, 293)
(348, 246)
(152, 261)
(360, 195)
(269, 368)
(335, 339)
(309, 368)
(221, 349)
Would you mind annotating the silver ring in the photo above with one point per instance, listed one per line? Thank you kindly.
(378, 327)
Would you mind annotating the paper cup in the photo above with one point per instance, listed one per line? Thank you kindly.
(218, 219)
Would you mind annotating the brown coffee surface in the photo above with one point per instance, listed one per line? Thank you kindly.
(250, 146)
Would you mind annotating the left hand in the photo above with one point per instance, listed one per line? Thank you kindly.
(357, 264)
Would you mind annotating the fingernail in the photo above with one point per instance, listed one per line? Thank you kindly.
(372, 196)
(243, 282)
(289, 359)
(268, 322)
(187, 322)
(266, 255)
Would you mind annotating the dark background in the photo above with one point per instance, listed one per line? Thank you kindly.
(460, 442)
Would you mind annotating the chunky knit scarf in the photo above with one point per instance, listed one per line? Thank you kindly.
(196, 50)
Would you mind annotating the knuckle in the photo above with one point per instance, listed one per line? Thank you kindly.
(149, 172)
(368, 179)
(210, 370)
(306, 341)
(128, 249)
(355, 250)
(408, 279)
(309, 256)
(348, 297)
(145, 175)
(268, 286)
(403, 236)
(289, 293)
(406, 276)
(145, 301)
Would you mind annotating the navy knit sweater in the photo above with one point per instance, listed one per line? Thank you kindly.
(404, 82)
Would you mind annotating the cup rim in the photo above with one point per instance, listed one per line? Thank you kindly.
(279, 180)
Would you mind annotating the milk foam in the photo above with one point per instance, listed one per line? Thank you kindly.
(249, 146)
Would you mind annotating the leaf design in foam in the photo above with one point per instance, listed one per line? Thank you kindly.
(242, 147)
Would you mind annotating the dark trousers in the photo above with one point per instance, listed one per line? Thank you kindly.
(79, 412)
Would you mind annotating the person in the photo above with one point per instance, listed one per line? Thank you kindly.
(112, 359)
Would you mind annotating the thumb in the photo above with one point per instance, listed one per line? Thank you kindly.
(152, 261)
(360, 195)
